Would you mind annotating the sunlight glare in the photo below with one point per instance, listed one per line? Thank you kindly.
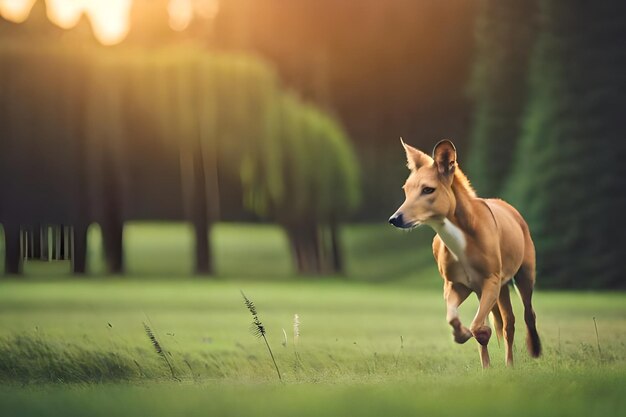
(110, 19)
(206, 9)
(16, 11)
(65, 13)
(181, 13)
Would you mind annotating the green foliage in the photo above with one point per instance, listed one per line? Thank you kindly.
(551, 100)
(305, 177)
(569, 178)
(334, 164)
(168, 134)
(231, 110)
(306, 167)
(151, 122)
(505, 32)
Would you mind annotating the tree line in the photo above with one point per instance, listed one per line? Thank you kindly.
(550, 87)
(94, 135)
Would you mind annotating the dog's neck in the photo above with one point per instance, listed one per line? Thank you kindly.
(455, 229)
(452, 236)
(463, 215)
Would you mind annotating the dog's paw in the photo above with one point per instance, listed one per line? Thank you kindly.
(462, 335)
(482, 335)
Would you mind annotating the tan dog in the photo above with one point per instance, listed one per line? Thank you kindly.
(481, 244)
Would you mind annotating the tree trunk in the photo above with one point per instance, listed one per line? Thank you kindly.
(200, 217)
(67, 242)
(30, 247)
(24, 244)
(79, 249)
(203, 265)
(293, 246)
(57, 241)
(12, 244)
(335, 242)
(112, 224)
(44, 251)
(306, 249)
(112, 239)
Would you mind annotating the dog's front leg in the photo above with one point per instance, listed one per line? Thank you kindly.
(488, 298)
(455, 294)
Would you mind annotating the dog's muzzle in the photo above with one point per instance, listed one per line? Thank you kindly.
(397, 220)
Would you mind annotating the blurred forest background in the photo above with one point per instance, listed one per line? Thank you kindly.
(289, 112)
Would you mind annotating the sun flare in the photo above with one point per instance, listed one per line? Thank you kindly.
(110, 19)
(181, 14)
(16, 11)
(63, 13)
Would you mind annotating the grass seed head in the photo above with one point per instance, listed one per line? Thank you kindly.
(296, 328)
(258, 329)
(153, 339)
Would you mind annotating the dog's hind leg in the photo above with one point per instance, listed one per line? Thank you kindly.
(497, 322)
(508, 321)
(525, 282)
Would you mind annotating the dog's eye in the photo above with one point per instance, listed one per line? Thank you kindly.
(428, 190)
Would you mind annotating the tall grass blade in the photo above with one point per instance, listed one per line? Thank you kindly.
(259, 330)
(158, 348)
(296, 328)
(597, 337)
(296, 338)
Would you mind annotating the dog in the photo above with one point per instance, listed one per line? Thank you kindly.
(481, 245)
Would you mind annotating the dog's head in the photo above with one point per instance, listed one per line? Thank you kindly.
(428, 190)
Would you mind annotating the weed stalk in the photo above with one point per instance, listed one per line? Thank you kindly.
(597, 338)
(259, 329)
(159, 350)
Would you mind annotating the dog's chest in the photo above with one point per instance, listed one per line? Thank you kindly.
(458, 270)
(454, 239)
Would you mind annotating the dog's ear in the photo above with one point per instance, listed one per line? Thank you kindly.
(414, 157)
(444, 155)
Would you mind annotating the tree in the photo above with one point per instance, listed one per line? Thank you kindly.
(42, 177)
(307, 180)
(568, 177)
(133, 133)
(505, 31)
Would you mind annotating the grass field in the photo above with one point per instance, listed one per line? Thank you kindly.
(371, 343)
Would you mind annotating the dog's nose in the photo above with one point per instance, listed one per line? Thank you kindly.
(396, 220)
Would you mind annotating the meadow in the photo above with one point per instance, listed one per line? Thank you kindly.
(371, 342)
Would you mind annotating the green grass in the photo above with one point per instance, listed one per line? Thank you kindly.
(77, 346)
